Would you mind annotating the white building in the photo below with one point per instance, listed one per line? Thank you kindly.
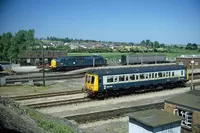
(154, 121)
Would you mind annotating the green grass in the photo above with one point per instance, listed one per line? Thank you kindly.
(116, 56)
(49, 124)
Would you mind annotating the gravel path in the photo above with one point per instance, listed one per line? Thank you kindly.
(113, 103)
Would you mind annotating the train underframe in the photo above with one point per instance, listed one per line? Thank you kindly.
(125, 91)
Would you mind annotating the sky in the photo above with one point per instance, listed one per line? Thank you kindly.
(166, 21)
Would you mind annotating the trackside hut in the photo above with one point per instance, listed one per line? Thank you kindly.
(154, 121)
(188, 107)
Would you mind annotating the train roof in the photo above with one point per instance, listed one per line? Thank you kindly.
(112, 71)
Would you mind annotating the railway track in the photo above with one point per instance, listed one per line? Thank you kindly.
(26, 97)
(39, 78)
(59, 103)
(110, 114)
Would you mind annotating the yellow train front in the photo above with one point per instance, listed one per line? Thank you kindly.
(102, 82)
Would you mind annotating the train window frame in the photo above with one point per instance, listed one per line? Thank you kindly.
(120, 77)
(126, 78)
(92, 80)
(181, 72)
(169, 74)
(153, 75)
(132, 77)
(88, 79)
(110, 79)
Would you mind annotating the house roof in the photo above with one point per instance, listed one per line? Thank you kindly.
(154, 117)
(190, 100)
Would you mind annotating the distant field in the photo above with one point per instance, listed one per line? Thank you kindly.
(117, 56)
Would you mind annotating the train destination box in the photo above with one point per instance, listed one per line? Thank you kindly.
(154, 121)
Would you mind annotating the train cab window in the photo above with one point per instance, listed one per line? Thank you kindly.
(159, 74)
(132, 77)
(156, 75)
(181, 72)
(92, 81)
(109, 79)
(141, 76)
(88, 79)
(173, 74)
(121, 78)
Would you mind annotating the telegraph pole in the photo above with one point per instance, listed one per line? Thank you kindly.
(43, 71)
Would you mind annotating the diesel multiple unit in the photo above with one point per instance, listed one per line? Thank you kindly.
(77, 62)
(102, 82)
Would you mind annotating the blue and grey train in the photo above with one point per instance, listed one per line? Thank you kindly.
(102, 82)
(77, 62)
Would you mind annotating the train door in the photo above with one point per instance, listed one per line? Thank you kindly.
(94, 83)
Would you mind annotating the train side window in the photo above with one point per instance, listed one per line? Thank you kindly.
(132, 77)
(115, 79)
(153, 75)
(99, 80)
(156, 75)
(181, 72)
(172, 74)
(160, 74)
(150, 75)
(141, 76)
(169, 74)
(136, 77)
(92, 81)
(146, 76)
(109, 79)
(121, 78)
(163, 74)
(88, 79)
(126, 77)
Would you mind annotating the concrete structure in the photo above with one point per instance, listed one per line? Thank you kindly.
(154, 121)
(188, 107)
(186, 60)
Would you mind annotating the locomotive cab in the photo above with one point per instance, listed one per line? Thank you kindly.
(91, 84)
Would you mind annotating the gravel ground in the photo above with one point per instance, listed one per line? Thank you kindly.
(51, 86)
(112, 103)
(51, 99)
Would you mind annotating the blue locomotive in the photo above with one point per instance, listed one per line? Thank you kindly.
(102, 82)
(77, 62)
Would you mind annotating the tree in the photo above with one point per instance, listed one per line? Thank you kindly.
(156, 44)
(143, 43)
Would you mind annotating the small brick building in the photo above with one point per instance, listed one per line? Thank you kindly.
(186, 60)
(188, 107)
